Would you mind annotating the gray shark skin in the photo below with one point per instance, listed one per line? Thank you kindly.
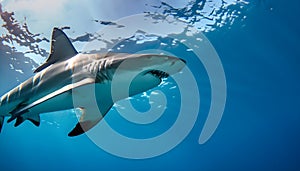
(66, 75)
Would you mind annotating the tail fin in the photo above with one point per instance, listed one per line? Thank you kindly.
(1, 122)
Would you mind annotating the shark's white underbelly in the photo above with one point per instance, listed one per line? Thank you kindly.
(95, 96)
(60, 102)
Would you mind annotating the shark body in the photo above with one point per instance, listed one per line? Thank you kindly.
(67, 74)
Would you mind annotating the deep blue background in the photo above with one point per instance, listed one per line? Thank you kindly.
(260, 128)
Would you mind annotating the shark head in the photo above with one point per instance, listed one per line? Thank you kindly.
(141, 72)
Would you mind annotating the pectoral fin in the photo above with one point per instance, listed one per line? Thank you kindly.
(82, 127)
(89, 118)
(1, 122)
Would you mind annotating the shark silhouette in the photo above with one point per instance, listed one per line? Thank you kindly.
(67, 73)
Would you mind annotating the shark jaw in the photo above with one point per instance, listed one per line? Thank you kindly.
(66, 71)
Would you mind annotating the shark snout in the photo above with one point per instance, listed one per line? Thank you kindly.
(151, 62)
(167, 64)
(165, 58)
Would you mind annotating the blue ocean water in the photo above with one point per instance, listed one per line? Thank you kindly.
(258, 131)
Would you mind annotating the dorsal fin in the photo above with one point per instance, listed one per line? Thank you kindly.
(61, 49)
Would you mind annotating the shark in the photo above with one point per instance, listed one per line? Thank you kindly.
(67, 75)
